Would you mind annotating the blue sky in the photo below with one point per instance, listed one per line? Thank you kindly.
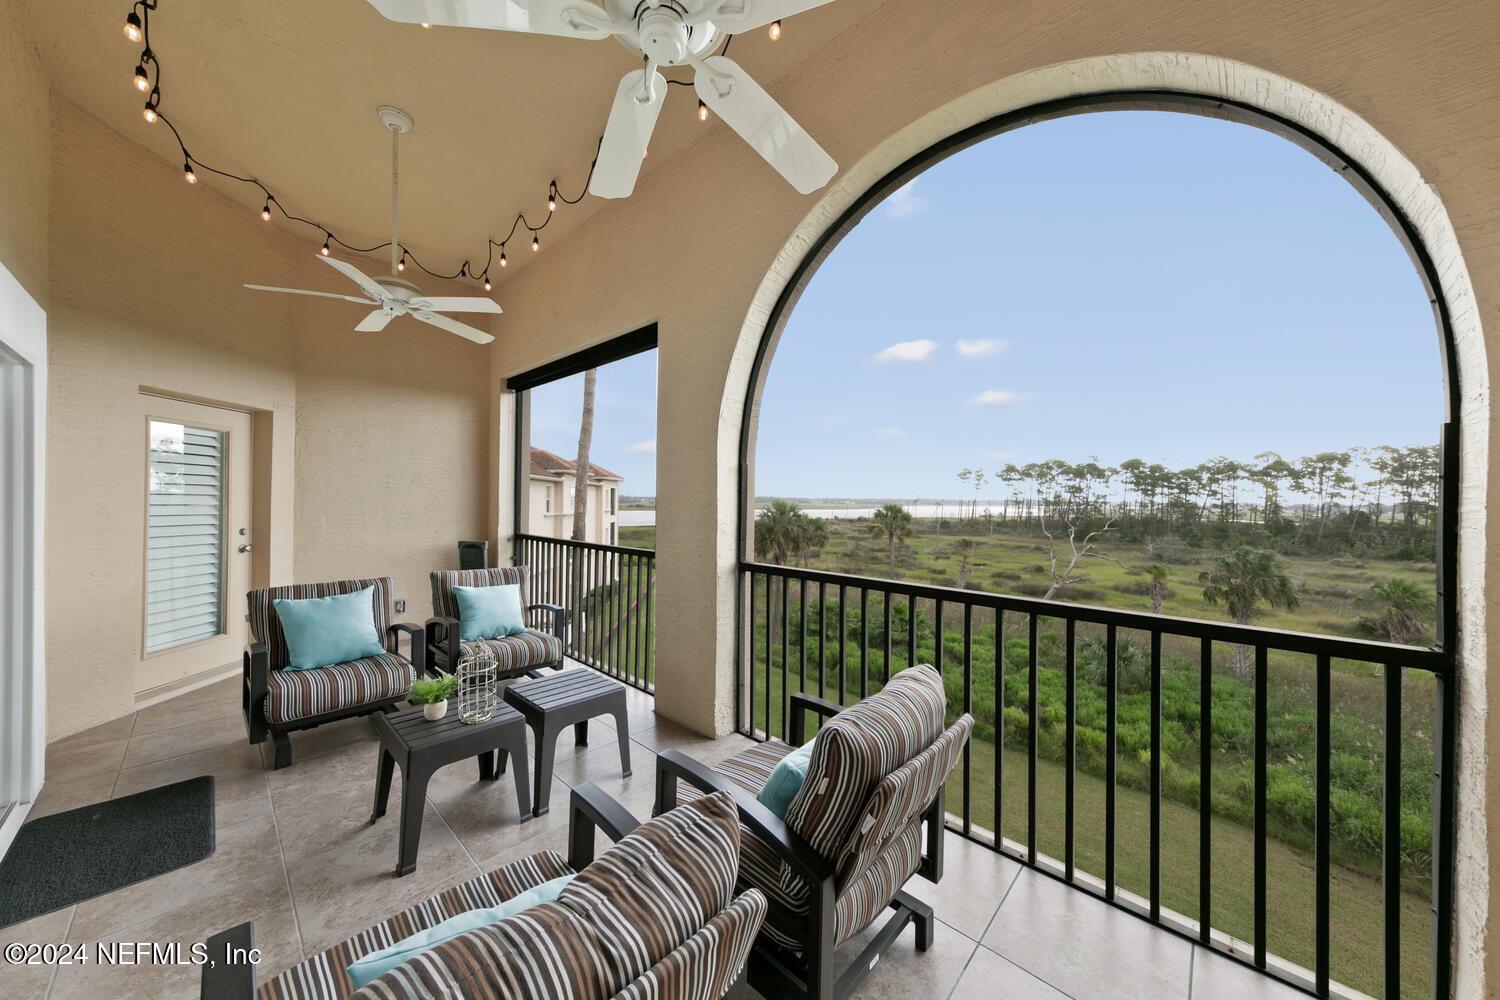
(1127, 284)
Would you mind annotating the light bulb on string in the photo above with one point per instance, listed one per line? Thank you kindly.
(536, 243)
(265, 212)
(142, 81)
(187, 172)
(702, 112)
(149, 113)
(775, 31)
(401, 265)
(502, 256)
(486, 281)
(326, 249)
(133, 26)
(552, 198)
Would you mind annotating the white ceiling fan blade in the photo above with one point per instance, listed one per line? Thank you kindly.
(627, 135)
(354, 274)
(754, 114)
(569, 18)
(456, 304)
(742, 15)
(303, 291)
(452, 326)
(375, 322)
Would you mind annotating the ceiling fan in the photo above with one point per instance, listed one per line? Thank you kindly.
(662, 33)
(393, 295)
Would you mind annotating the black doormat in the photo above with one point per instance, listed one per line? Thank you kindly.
(71, 856)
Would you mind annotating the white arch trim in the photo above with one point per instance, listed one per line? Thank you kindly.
(1213, 76)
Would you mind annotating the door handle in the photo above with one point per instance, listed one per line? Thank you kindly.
(245, 548)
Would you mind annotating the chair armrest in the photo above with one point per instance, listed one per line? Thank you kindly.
(559, 618)
(589, 808)
(417, 636)
(448, 643)
(229, 973)
(673, 765)
(800, 705)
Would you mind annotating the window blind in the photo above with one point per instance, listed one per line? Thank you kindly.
(184, 536)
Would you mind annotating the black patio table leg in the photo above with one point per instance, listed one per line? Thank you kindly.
(581, 734)
(622, 732)
(488, 769)
(515, 746)
(383, 783)
(414, 779)
(546, 756)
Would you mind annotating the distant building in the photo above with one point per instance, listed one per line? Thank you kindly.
(554, 482)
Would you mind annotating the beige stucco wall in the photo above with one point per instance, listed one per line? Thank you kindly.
(24, 173)
(1424, 77)
(559, 523)
(377, 452)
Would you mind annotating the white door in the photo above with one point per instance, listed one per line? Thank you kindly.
(23, 414)
(197, 561)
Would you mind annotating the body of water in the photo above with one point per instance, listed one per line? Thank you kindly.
(647, 518)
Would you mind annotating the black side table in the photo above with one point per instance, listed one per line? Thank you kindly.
(571, 698)
(421, 747)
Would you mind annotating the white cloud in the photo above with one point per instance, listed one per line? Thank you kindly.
(642, 448)
(890, 432)
(907, 351)
(976, 349)
(905, 202)
(995, 399)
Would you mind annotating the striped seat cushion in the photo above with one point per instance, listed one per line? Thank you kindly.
(299, 694)
(325, 976)
(623, 915)
(705, 965)
(266, 627)
(512, 652)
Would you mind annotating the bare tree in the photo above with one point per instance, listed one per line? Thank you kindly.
(1078, 551)
(581, 470)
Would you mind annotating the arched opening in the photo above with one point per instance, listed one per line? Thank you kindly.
(776, 608)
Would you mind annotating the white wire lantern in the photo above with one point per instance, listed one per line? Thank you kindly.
(478, 686)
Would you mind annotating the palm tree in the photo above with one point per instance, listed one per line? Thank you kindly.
(894, 522)
(1158, 574)
(1241, 580)
(1400, 611)
(965, 548)
(581, 470)
(779, 531)
(813, 536)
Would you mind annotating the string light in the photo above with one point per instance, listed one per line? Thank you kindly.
(149, 113)
(426, 24)
(702, 111)
(326, 250)
(265, 213)
(187, 172)
(552, 197)
(142, 81)
(776, 30)
(536, 243)
(502, 258)
(486, 281)
(402, 265)
(133, 30)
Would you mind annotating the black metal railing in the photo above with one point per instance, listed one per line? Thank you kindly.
(610, 594)
(1268, 794)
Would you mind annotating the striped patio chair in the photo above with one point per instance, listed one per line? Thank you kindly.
(515, 655)
(277, 701)
(853, 835)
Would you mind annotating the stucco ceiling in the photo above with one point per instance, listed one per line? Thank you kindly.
(286, 91)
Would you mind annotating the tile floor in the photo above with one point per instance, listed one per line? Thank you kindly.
(297, 855)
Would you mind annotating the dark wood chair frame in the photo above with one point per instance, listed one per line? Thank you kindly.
(256, 674)
(441, 629)
(773, 970)
(591, 809)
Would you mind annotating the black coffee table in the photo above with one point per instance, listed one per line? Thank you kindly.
(422, 747)
(571, 698)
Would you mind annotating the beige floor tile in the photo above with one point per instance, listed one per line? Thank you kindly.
(326, 801)
(32, 980)
(63, 792)
(990, 977)
(486, 817)
(67, 759)
(191, 737)
(217, 704)
(903, 972)
(1084, 947)
(975, 880)
(107, 732)
(240, 788)
(327, 738)
(1219, 978)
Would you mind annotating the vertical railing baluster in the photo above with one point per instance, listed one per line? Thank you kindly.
(864, 643)
(627, 615)
(937, 652)
(1324, 768)
(911, 630)
(750, 628)
(843, 648)
(802, 646)
(822, 638)
(999, 725)
(770, 655)
(1155, 775)
(1031, 742)
(1390, 887)
(1070, 743)
(617, 618)
(885, 601)
(1205, 786)
(968, 709)
(786, 646)
(1262, 681)
(651, 624)
(1111, 714)
(643, 571)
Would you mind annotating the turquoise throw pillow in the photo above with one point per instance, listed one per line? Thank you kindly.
(786, 778)
(320, 631)
(376, 964)
(489, 612)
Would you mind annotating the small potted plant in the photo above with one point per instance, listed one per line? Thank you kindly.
(432, 693)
